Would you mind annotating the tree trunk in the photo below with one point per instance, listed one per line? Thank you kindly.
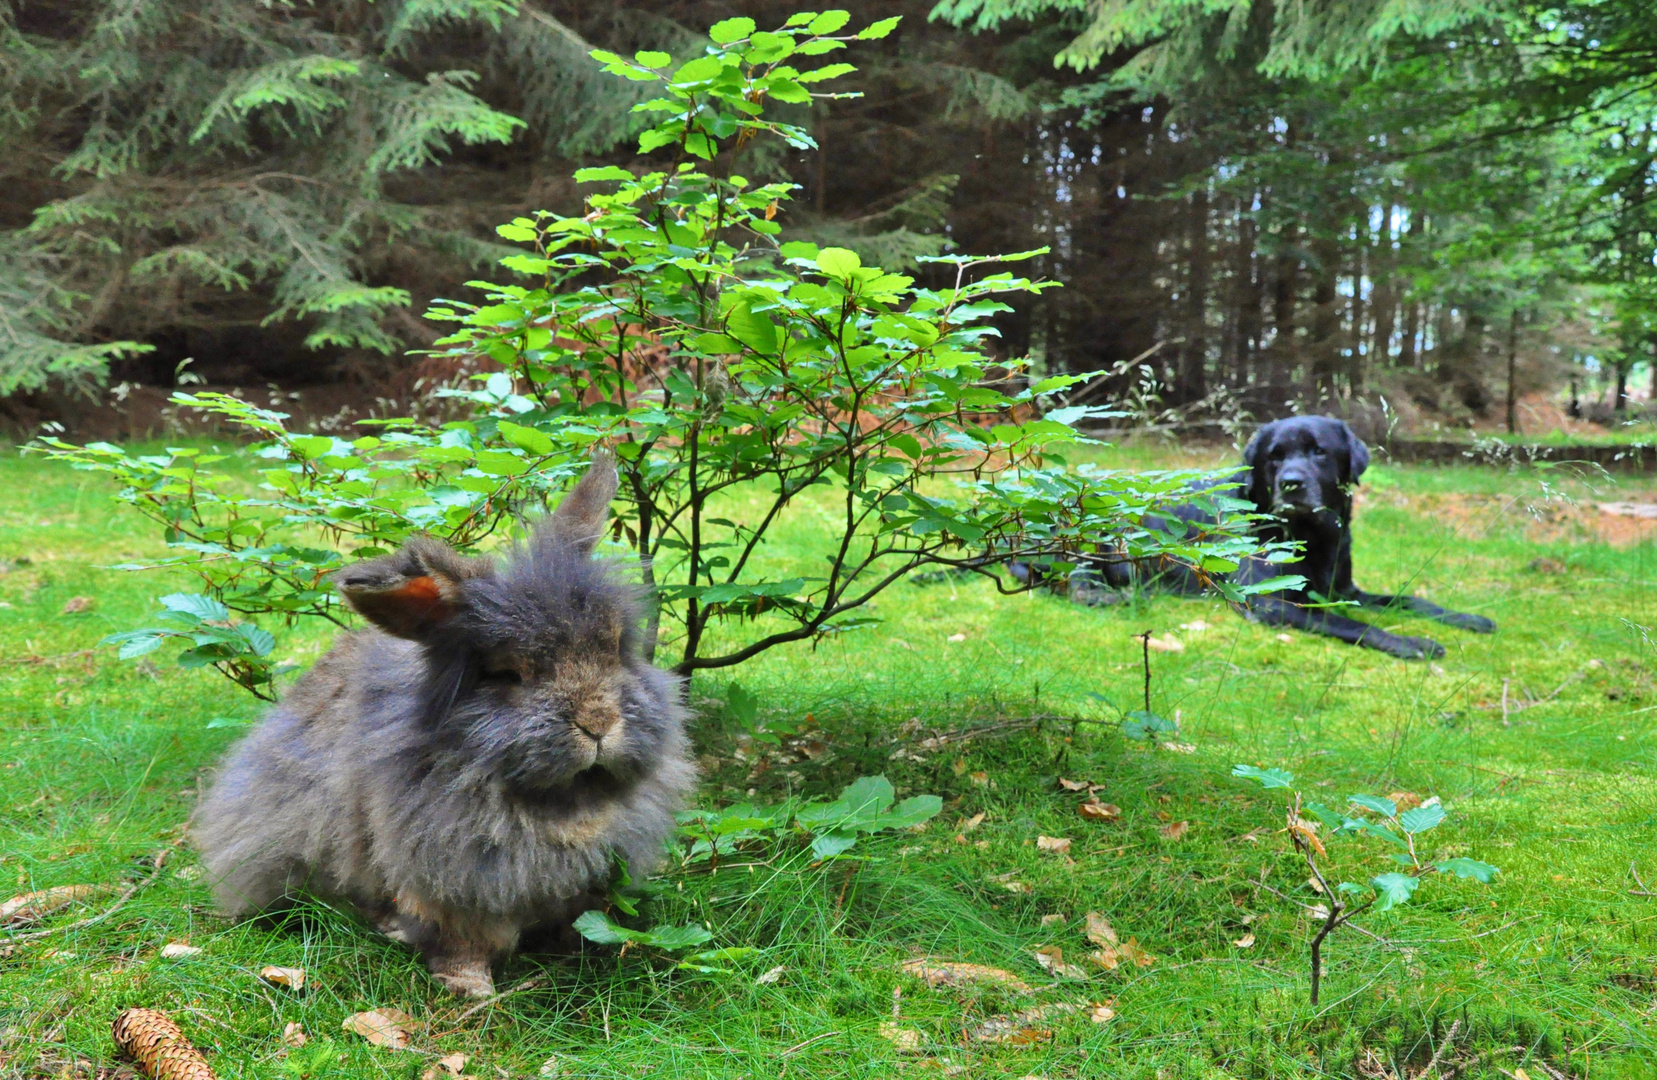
(1193, 381)
(1406, 341)
(1283, 319)
(1249, 300)
(1512, 368)
(1359, 337)
(1325, 319)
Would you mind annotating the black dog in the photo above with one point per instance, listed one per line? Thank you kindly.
(1300, 475)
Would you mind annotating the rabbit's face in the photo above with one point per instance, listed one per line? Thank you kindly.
(533, 666)
(549, 682)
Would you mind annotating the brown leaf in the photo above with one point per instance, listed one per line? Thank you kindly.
(771, 976)
(1054, 919)
(1131, 952)
(78, 604)
(1405, 800)
(177, 950)
(382, 1027)
(972, 823)
(446, 1066)
(959, 767)
(982, 779)
(291, 977)
(32, 907)
(1019, 1029)
(1051, 959)
(956, 637)
(1103, 1012)
(1175, 830)
(293, 1035)
(1054, 845)
(1095, 810)
(906, 1040)
(1166, 643)
(1246, 941)
(1076, 785)
(1306, 832)
(936, 973)
(1099, 930)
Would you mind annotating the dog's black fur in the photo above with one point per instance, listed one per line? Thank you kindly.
(1300, 473)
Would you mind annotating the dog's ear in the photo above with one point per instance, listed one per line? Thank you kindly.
(1258, 490)
(1357, 456)
(411, 591)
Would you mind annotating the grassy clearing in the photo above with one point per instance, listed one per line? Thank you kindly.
(101, 761)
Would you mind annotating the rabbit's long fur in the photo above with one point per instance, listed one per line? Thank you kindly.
(471, 767)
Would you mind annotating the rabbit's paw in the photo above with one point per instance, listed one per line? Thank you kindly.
(464, 976)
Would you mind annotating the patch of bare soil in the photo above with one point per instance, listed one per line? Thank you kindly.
(1628, 521)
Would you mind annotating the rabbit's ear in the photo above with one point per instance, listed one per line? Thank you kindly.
(579, 519)
(410, 592)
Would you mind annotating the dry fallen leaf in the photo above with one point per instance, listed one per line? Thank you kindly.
(291, 977)
(936, 973)
(1055, 919)
(1175, 830)
(1112, 954)
(1246, 941)
(906, 1040)
(1051, 959)
(1405, 800)
(1099, 811)
(382, 1027)
(551, 1067)
(446, 1066)
(1056, 845)
(1312, 883)
(78, 604)
(1196, 626)
(31, 907)
(177, 950)
(1075, 785)
(1284, 637)
(960, 766)
(1019, 887)
(982, 779)
(1178, 747)
(1099, 930)
(1166, 643)
(972, 823)
(293, 1035)
(1102, 1012)
(1019, 1029)
(956, 637)
(771, 977)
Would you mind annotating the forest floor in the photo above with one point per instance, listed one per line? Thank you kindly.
(1541, 740)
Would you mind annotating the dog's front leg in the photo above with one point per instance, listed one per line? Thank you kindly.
(1276, 611)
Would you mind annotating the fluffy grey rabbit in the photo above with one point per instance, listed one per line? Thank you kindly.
(468, 768)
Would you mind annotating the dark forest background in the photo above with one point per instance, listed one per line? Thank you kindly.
(274, 194)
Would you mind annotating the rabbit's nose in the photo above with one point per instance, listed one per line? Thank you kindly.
(597, 723)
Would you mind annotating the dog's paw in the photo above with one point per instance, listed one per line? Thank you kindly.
(1476, 623)
(1416, 648)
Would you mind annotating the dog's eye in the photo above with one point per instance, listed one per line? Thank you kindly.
(503, 676)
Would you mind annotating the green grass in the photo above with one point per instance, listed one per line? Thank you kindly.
(101, 762)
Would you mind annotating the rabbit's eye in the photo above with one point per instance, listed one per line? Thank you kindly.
(501, 676)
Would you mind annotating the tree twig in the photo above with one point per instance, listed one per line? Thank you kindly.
(120, 902)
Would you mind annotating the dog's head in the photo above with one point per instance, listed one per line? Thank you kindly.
(1303, 465)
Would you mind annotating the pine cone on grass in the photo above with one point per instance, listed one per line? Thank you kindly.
(159, 1047)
